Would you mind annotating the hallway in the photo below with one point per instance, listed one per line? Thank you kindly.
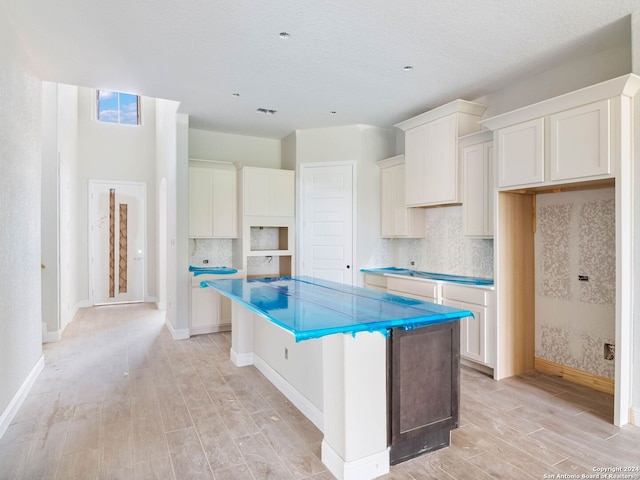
(119, 399)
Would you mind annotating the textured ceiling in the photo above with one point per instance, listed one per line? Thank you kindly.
(344, 56)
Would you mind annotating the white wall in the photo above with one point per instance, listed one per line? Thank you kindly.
(115, 153)
(20, 173)
(59, 145)
(166, 174)
(572, 74)
(226, 147)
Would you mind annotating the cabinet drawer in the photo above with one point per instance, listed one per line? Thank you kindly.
(477, 296)
(415, 287)
(375, 281)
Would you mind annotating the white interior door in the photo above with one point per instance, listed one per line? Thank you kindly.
(327, 222)
(117, 232)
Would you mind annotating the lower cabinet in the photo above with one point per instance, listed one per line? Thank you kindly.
(375, 282)
(210, 311)
(425, 290)
(424, 388)
(477, 333)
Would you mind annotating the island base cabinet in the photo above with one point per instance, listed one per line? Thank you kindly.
(423, 389)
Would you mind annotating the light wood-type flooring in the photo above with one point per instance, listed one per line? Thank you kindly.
(119, 399)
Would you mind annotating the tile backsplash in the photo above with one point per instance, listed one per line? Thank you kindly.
(445, 249)
(217, 251)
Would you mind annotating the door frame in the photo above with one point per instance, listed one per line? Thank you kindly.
(90, 217)
(300, 208)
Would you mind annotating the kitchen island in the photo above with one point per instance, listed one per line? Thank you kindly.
(389, 365)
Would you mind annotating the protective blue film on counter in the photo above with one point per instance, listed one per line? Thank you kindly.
(405, 272)
(211, 270)
(311, 308)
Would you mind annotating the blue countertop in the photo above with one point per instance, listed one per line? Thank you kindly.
(312, 308)
(487, 282)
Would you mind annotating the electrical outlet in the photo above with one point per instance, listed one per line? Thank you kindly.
(205, 261)
(609, 351)
(412, 263)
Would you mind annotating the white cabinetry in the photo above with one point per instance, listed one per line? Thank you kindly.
(432, 173)
(268, 192)
(477, 334)
(573, 138)
(266, 244)
(396, 220)
(476, 152)
(579, 141)
(420, 289)
(212, 200)
(521, 154)
(375, 282)
(209, 311)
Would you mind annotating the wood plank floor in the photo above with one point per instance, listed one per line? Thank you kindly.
(119, 399)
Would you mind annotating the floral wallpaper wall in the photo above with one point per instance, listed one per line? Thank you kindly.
(575, 236)
(445, 249)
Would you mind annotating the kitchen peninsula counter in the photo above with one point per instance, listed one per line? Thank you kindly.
(385, 367)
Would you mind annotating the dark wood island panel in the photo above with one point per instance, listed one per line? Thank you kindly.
(423, 388)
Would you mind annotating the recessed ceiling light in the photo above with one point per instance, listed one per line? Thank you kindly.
(284, 35)
(407, 68)
(266, 111)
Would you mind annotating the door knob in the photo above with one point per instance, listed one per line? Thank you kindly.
(348, 266)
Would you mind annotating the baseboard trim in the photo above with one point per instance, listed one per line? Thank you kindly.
(309, 410)
(241, 359)
(50, 337)
(18, 399)
(602, 384)
(371, 466)
(83, 304)
(210, 329)
(177, 334)
(477, 366)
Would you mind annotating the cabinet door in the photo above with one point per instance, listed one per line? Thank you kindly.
(477, 211)
(200, 202)
(257, 191)
(580, 142)
(441, 157)
(224, 203)
(415, 168)
(205, 310)
(282, 185)
(472, 331)
(387, 202)
(521, 154)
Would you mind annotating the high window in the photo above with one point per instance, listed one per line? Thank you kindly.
(118, 107)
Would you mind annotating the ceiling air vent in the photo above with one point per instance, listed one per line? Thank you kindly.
(266, 111)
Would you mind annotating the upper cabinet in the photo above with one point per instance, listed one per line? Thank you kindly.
(524, 141)
(577, 137)
(432, 170)
(580, 142)
(396, 220)
(212, 200)
(476, 152)
(268, 192)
